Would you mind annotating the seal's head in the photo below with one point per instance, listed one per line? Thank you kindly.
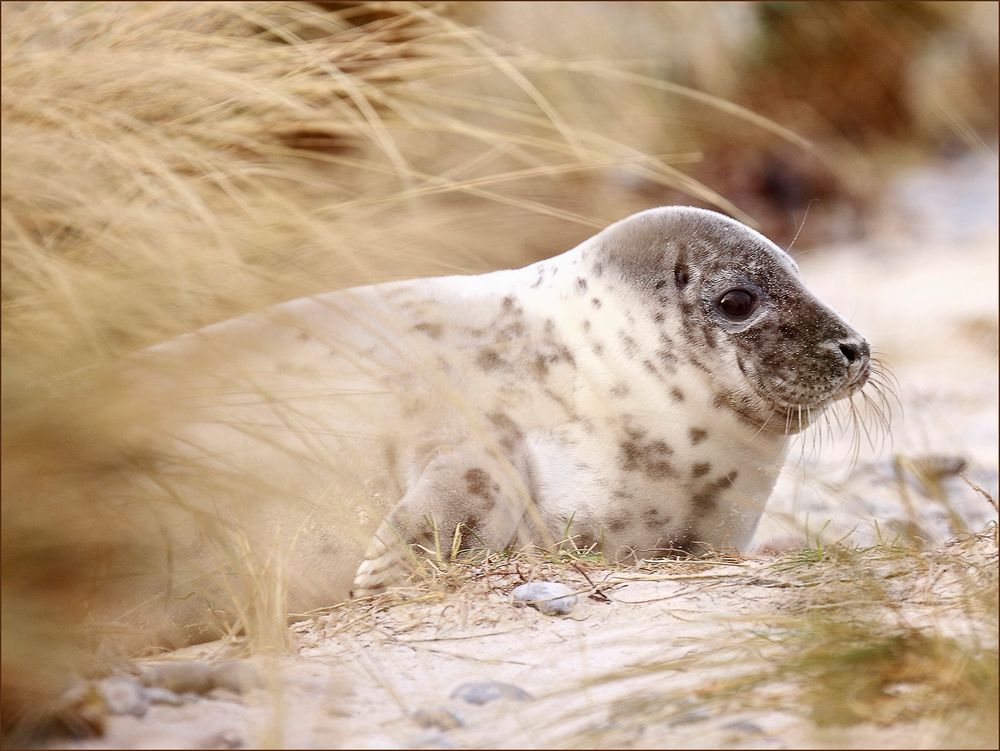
(771, 350)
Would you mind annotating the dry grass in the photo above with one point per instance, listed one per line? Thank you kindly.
(166, 166)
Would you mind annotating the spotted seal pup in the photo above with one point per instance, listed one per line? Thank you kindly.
(636, 393)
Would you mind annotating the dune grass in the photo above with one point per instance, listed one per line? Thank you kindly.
(166, 166)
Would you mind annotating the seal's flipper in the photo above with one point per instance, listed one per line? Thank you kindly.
(469, 493)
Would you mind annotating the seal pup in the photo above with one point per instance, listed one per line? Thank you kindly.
(636, 393)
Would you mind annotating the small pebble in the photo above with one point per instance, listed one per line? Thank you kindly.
(123, 695)
(481, 692)
(744, 726)
(550, 598)
(440, 718)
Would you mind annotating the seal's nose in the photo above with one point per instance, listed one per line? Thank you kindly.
(857, 354)
(851, 351)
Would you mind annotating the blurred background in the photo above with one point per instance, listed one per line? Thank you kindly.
(169, 165)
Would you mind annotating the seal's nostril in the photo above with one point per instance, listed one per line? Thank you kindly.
(850, 351)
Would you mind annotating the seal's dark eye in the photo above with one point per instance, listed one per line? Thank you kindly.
(738, 304)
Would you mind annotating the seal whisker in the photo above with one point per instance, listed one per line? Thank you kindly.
(764, 425)
(876, 409)
(864, 427)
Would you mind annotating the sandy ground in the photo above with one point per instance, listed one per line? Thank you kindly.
(924, 290)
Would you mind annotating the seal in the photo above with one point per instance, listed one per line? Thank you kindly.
(636, 394)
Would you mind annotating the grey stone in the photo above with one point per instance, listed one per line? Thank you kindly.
(744, 726)
(482, 692)
(123, 695)
(550, 598)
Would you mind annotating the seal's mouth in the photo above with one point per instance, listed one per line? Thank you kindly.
(853, 385)
(790, 406)
(796, 407)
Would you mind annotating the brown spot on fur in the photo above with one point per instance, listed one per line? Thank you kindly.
(676, 394)
(510, 431)
(697, 435)
(488, 359)
(618, 523)
(647, 457)
(596, 303)
(660, 470)
(629, 344)
(631, 454)
(705, 499)
(433, 330)
(473, 524)
(700, 469)
(508, 303)
(540, 367)
(581, 285)
(660, 447)
(477, 482)
(667, 358)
